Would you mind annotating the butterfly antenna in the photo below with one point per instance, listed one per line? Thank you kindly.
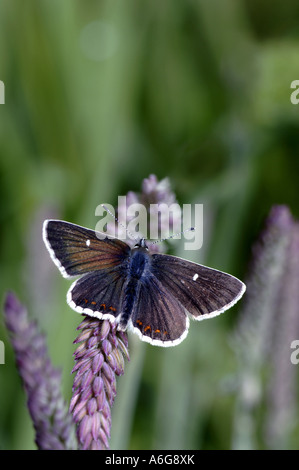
(119, 223)
(191, 229)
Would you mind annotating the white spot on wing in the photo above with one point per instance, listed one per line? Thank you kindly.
(195, 277)
(87, 242)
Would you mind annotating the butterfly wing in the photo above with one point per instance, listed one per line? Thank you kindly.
(98, 294)
(77, 250)
(204, 292)
(158, 318)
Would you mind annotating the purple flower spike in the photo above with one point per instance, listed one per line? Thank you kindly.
(99, 358)
(268, 323)
(53, 425)
(155, 196)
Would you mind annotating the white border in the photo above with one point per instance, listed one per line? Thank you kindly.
(157, 342)
(51, 251)
(88, 311)
(205, 316)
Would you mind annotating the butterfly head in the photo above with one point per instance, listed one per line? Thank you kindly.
(141, 244)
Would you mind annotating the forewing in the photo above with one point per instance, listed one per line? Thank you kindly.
(203, 291)
(158, 318)
(98, 294)
(77, 250)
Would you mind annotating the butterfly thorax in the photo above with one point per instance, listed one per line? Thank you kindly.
(139, 262)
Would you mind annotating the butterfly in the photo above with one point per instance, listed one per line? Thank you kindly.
(152, 294)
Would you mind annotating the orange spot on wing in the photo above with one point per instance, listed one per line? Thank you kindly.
(157, 331)
(93, 303)
(104, 306)
(147, 328)
(113, 309)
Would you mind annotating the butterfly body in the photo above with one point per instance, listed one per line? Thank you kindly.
(152, 294)
(138, 270)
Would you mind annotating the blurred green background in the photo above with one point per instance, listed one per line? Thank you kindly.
(98, 95)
